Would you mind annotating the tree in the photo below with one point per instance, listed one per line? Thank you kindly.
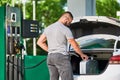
(3, 2)
(47, 11)
(107, 8)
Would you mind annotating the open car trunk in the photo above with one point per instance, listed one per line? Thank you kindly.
(87, 35)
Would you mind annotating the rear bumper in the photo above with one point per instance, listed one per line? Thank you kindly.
(111, 73)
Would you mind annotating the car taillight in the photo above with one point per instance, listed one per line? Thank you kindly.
(115, 59)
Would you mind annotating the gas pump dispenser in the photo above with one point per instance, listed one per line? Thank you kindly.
(13, 44)
(14, 65)
(10, 43)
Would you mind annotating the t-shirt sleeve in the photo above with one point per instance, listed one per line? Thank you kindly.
(44, 32)
(69, 34)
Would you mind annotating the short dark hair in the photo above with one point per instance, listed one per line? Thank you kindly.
(68, 12)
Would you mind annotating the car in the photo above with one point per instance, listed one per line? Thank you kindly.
(98, 37)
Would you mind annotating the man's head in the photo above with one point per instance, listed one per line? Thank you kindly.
(66, 18)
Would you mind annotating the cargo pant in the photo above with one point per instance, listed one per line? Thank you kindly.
(59, 66)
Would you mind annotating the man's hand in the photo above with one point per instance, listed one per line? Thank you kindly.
(84, 57)
(77, 49)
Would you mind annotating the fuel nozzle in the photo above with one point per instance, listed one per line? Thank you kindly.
(18, 46)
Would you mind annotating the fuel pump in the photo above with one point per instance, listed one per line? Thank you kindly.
(13, 64)
(16, 29)
(13, 43)
(10, 43)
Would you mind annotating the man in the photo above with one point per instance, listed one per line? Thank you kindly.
(57, 35)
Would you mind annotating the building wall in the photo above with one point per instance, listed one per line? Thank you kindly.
(82, 7)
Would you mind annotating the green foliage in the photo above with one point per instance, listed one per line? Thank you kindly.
(47, 11)
(3, 2)
(107, 8)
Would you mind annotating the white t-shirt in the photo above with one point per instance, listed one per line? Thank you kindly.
(57, 35)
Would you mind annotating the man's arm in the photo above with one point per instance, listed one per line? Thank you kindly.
(77, 48)
(42, 42)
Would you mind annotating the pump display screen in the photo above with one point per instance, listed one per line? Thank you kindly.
(13, 16)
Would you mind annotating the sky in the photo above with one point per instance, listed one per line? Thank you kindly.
(118, 1)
